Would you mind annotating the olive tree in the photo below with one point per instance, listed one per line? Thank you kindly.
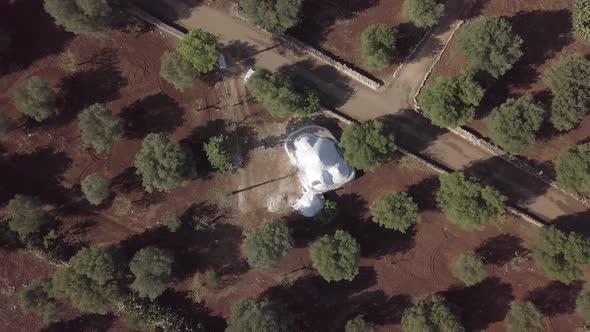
(451, 101)
(583, 305)
(177, 70)
(395, 211)
(431, 314)
(336, 257)
(514, 125)
(266, 245)
(273, 15)
(99, 128)
(573, 168)
(163, 165)
(259, 316)
(26, 215)
(152, 268)
(489, 44)
(37, 299)
(96, 188)
(35, 98)
(358, 324)
(469, 268)
(581, 18)
(200, 49)
(378, 46)
(468, 203)
(524, 317)
(423, 13)
(171, 221)
(82, 16)
(366, 145)
(218, 153)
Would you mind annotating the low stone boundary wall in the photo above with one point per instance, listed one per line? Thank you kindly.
(156, 22)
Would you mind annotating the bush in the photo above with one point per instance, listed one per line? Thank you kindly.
(152, 268)
(35, 98)
(26, 215)
(177, 70)
(266, 245)
(395, 211)
(5, 126)
(82, 16)
(431, 314)
(96, 188)
(366, 145)
(171, 221)
(162, 164)
(36, 299)
(199, 48)
(358, 324)
(562, 254)
(583, 305)
(581, 19)
(378, 46)
(423, 13)
(336, 257)
(251, 315)
(275, 15)
(469, 268)
(513, 126)
(99, 128)
(466, 202)
(570, 87)
(328, 213)
(524, 317)
(489, 44)
(573, 168)
(218, 153)
(451, 101)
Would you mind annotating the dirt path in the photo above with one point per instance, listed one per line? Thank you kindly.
(414, 132)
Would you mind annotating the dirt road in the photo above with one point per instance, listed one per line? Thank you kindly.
(248, 46)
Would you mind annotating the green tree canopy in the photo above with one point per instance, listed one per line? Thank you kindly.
(328, 213)
(468, 203)
(562, 254)
(37, 299)
(99, 128)
(581, 19)
(573, 168)
(395, 211)
(250, 315)
(82, 16)
(583, 305)
(524, 317)
(336, 257)
(366, 145)
(177, 70)
(35, 98)
(266, 245)
(570, 87)
(358, 324)
(378, 46)
(423, 13)
(218, 153)
(514, 125)
(96, 188)
(274, 15)
(469, 268)
(171, 221)
(451, 101)
(200, 49)
(431, 314)
(26, 215)
(489, 44)
(152, 268)
(162, 164)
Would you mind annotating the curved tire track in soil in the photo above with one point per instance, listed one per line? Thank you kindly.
(432, 264)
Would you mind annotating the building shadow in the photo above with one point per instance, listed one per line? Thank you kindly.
(556, 298)
(157, 113)
(501, 249)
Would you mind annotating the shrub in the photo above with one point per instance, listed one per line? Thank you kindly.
(489, 44)
(378, 46)
(583, 305)
(524, 317)
(26, 215)
(177, 70)
(5, 126)
(81, 16)
(358, 324)
(35, 98)
(366, 145)
(36, 299)
(423, 13)
(266, 245)
(99, 128)
(336, 257)
(514, 124)
(218, 153)
(214, 280)
(466, 202)
(96, 188)
(275, 15)
(162, 164)
(581, 18)
(328, 213)
(431, 314)
(171, 221)
(562, 254)
(152, 268)
(395, 211)
(570, 87)
(469, 268)
(199, 48)
(251, 315)
(573, 168)
(451, 101)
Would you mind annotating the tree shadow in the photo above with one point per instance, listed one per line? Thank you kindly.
(127, 181)
(556, 298)
(482, 304)
(85, 322)
(411, 129)
(501, 249)
(194, 314)
(577, 222)
(378, 308)
(153, 114)
(424, 193)
(198, 137)
(240, 56)
(165, 11)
